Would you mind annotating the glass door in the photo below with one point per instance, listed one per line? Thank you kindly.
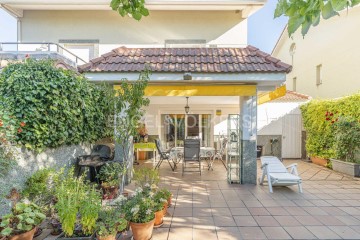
(176, 127)
(173, 129)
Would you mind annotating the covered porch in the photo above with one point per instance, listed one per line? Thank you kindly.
(215, 84)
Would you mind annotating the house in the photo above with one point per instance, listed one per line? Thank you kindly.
(197, 52)
(326, 60)
(280, 128)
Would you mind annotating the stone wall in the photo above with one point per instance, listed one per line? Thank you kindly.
(29, 162)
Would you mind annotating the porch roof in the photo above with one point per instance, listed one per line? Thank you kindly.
(192, 60)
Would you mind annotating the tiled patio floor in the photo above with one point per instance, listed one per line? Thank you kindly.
(207, 207)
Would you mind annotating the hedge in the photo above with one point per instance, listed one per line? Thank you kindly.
(57, 106)
(319, 117)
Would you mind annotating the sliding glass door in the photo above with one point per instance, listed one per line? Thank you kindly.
(176, 127)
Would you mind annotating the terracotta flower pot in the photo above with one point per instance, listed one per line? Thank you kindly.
(142, 231)
(24, 236)
(319, 161)
(165, 208)
(110, 237)
(159, 216)
(169, 200)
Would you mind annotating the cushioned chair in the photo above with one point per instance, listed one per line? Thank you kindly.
(191, 155)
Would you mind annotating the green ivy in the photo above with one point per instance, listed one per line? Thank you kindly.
(319, 118)
(58, 106)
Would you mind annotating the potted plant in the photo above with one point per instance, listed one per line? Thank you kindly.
(110, 176)
(160, 204)
(347, 146)
(145, 177)
(77, 206)
(22, 222)
(167, 195)
(109, 224)
(139, 211)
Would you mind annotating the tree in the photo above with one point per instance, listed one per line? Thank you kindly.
(133, 8)
(130, 102)
(307, 13)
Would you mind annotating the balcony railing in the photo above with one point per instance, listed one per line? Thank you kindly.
(40, 47)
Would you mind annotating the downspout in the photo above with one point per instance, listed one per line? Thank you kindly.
(19, 25)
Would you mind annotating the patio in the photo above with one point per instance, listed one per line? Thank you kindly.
(207, 207)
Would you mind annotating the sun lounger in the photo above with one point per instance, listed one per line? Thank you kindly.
(277, 174)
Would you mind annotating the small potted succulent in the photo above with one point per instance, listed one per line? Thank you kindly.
(109, 223)
(110, 176)
(22, 222)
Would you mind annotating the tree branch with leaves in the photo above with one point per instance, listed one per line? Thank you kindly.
(133, 8)
(307, 13)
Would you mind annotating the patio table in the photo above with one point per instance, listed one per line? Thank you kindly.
(206, 153)
(146, 147)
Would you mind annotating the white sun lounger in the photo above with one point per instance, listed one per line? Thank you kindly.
(277, 174)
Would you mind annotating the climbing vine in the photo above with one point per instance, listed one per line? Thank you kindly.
(56, 106)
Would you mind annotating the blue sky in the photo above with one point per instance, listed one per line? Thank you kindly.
(263, 29)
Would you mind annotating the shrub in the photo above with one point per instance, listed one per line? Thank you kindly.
(319, 117)
(58, 106)
(347, 139)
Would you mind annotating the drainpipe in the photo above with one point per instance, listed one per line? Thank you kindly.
(19, 36)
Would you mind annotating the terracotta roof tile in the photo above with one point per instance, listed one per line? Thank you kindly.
(206, 60)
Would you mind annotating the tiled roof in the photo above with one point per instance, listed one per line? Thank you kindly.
(200, 60)
(292, 96)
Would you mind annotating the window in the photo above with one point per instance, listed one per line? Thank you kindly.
(294, 84)
(86, 49)
(318, 74)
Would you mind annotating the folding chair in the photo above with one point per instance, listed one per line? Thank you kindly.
(191, 154)
(277, 174)
(164, 155)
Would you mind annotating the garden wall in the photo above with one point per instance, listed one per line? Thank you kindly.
(28, 162)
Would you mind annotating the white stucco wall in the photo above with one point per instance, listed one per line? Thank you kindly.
(334, 43)
(216, 27)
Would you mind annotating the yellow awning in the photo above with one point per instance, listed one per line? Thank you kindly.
(197, 90)
(266, 97)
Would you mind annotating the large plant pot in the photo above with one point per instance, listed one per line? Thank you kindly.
(110, 192)
(165, 208)
(352, 169)
(319, 161)
(159, 218)
(24, 236)
(142, 231)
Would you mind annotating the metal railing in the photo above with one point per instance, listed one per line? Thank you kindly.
(44, 46)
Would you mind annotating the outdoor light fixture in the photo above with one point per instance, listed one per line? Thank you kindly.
(187, 108)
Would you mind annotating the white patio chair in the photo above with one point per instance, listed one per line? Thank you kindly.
(277, 174)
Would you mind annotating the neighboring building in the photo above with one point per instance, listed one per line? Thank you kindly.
(326, 61)
(280, 127)
(196, 49)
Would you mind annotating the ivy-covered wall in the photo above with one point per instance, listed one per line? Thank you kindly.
(320, 118)
(56, 106)
(48, 117)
